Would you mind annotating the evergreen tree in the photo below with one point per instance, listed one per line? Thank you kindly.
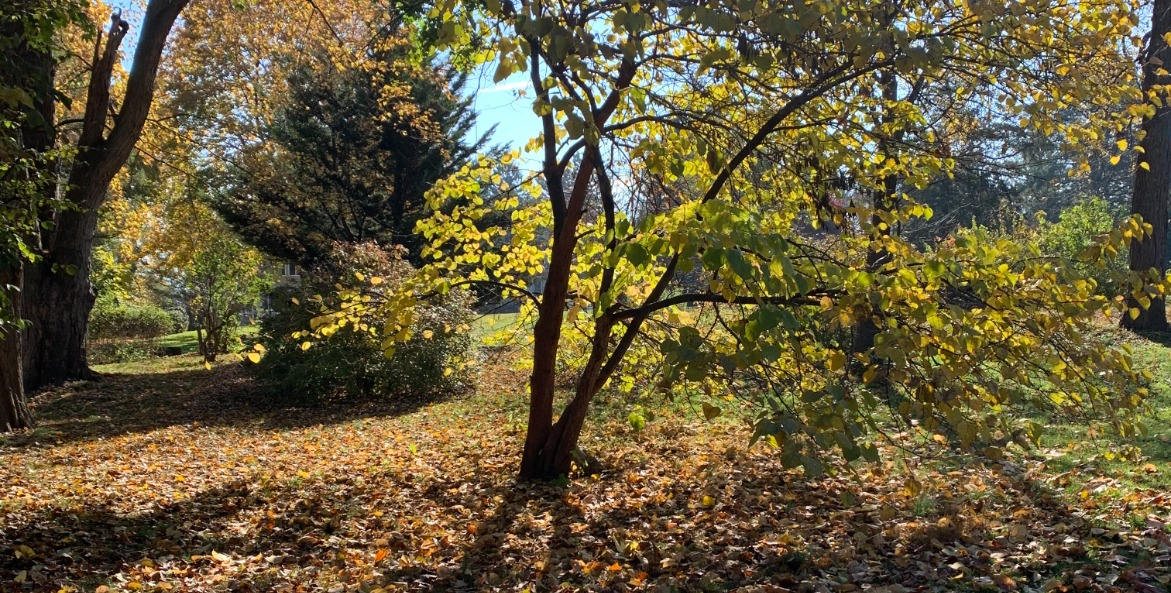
(350, 155)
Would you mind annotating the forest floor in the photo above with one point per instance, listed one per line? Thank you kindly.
(164, 476)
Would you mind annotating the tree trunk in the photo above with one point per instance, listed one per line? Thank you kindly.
(1152, 186)
(38, 136)
(556, 454)
(14, 414)
(55, 341)
(59, 287)
(885, 201)
(545, 442)
(536, 462)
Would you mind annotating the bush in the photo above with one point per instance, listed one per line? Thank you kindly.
(122, 332)
(1076, 229)
(352, 363)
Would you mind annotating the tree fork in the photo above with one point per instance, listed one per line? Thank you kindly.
(54, 344)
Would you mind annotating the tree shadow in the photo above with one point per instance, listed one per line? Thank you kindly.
(123, 403)
(478, 531)
(1162, 338)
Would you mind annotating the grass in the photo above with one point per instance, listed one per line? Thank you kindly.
(492, 323)
(188, 342)
(1141, 462)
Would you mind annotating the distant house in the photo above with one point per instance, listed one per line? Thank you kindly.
(290, 275)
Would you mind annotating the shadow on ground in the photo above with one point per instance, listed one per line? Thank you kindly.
(228, 395)
(404, 533)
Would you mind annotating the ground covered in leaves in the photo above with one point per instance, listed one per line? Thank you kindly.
(169, 477)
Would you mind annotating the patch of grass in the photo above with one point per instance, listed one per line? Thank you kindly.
(486, 326)
(1140, 462)
(154, 365)
(189, 342)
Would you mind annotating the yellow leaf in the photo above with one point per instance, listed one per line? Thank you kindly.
(1122, 145)
(207, 365)
(447, 372)
(376, 280)
(305, 345)
(1144, 166)
(218, 557)
(427, 334)
(1114, 159)
(837, 360)
(708, 501)
(254, 357)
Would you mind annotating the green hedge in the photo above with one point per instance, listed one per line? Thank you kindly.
(121, 332)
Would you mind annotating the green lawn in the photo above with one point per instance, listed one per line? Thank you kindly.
(492, 323)
(1093, 458)
(483, 326)
(190, 343)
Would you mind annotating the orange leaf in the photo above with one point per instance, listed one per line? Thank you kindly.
(614, 567)
(380, 554)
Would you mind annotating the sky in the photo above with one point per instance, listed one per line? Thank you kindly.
(508, 106)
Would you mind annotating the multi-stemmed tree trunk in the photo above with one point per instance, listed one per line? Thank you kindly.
(59, 292)
(1152, 184)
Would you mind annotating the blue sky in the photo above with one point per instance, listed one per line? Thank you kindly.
(508, 106)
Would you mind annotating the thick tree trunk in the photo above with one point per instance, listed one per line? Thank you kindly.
(59, 293)
(1152, 187)
(14, 414)
(38, 135)
(55, 341)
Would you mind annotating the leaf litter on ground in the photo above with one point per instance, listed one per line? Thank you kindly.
(189, 480)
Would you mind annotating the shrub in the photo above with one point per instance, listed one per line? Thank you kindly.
(352, 363)
(1078, 228)
(121, 332)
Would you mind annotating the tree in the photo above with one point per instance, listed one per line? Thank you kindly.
(28, 34)
(350, 155)
(217, 274)
(54, 342)
(752, 115)
(1152, 175)
(224, 279)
